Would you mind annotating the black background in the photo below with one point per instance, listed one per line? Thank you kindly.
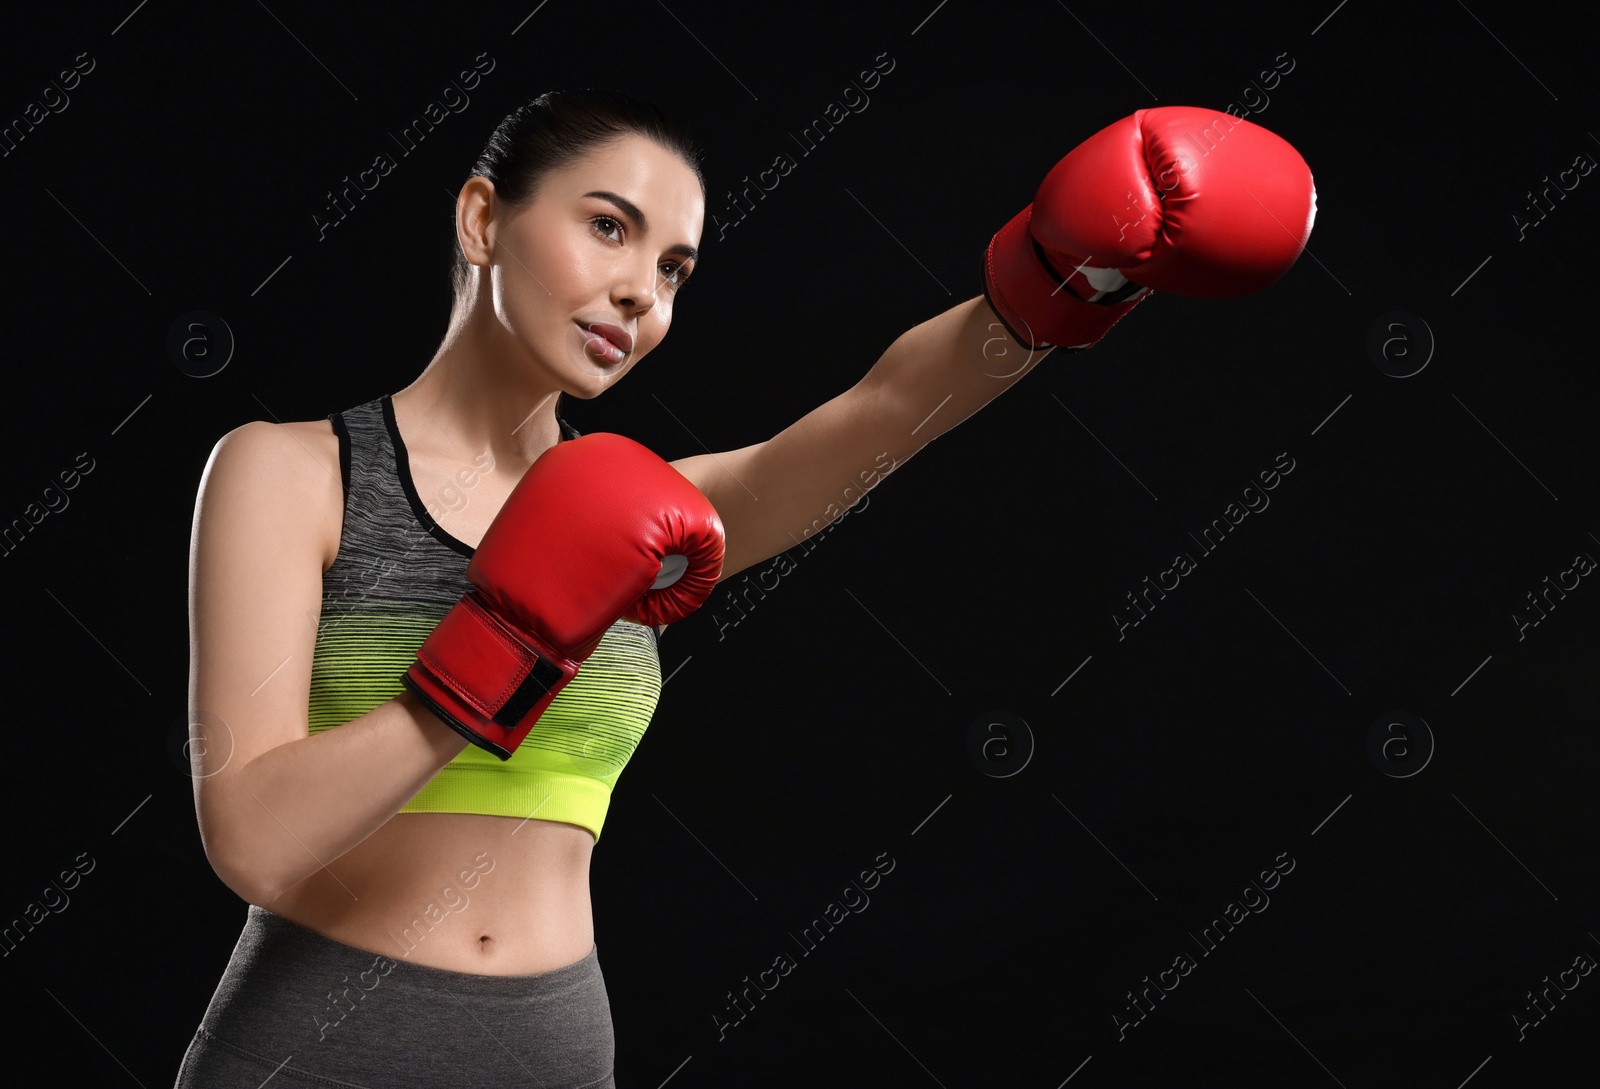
(1227, 729)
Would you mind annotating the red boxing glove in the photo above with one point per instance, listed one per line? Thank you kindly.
(1175, 198)
(598, 528)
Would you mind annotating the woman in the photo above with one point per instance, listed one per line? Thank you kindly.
(417, 876)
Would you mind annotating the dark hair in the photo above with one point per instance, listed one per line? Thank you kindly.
(556, 129)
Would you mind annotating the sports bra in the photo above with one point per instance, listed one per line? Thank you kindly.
(395, 576)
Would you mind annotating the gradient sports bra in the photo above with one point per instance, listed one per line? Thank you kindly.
(395, 576)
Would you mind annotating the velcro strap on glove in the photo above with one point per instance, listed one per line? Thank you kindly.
(1042, 306)
(484, 678)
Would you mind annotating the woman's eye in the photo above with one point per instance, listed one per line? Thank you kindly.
(676, 275)
(606, 224)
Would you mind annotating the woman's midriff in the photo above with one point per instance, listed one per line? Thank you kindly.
(470, 893)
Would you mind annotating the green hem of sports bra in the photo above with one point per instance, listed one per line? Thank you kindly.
(537, 795)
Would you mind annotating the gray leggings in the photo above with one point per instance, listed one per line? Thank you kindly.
(303, 1009)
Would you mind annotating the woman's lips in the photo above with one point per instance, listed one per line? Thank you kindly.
(610, 342)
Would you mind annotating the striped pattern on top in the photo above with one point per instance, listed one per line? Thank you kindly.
(396, 574)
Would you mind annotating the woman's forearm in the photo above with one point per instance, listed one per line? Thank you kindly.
(298, 806)
(938, 373)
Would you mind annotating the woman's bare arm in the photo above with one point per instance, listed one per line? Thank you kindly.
(274, 804)
(775, 494)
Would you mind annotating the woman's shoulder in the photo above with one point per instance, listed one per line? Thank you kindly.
(265, 453)
(293, 466)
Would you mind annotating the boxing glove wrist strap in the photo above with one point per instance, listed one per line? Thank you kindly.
(1041, 306)
(485, 680)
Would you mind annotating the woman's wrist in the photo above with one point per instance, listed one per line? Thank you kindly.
(445, 742)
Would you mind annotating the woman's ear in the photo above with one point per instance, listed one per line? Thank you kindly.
(475, 220)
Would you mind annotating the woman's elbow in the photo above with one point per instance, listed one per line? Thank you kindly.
(240, 868)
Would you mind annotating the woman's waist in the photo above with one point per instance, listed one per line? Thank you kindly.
(492, 895)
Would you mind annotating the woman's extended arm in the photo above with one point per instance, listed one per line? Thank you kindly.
(1177, 199)
(773, 495)
(275, 805)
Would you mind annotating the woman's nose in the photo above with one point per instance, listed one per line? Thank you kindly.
(636, 290)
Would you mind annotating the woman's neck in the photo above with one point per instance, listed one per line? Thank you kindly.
(473, 397)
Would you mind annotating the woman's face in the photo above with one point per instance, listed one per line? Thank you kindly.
(584, 276)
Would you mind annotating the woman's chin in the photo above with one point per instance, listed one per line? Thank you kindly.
(585, 385)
